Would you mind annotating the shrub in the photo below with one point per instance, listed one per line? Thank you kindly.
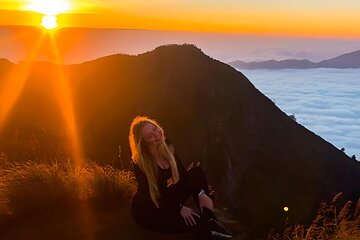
(293, 117)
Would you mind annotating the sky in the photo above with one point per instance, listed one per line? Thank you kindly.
(78, 45)
(226, 30)
(332, 18)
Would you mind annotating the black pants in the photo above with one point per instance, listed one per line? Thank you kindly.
(165, 221)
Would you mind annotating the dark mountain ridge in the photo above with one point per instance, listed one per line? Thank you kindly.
(258, 159)
(348, 60)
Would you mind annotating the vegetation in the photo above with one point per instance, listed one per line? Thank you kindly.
(101, 194)
(335, 221)
(62, 198)
(27, 185)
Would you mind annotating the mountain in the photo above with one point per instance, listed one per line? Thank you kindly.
(4, 65)
(257, 158)
(348, 60)
(4, 61)
(273, 64)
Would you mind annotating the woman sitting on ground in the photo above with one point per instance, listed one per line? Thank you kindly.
(164, 186)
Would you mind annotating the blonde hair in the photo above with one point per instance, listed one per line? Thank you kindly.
(142, 157)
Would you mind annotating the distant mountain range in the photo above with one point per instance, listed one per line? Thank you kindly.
(256, 157)
(348, 60)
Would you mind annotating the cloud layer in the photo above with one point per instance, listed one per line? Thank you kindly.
(325, 101)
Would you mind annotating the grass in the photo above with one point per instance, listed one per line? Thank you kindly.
(338, 220)
(59, 201)
(29, 186)
(60, 196)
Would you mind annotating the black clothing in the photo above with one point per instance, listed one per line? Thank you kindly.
(167, 217)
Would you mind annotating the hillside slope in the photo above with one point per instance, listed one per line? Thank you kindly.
(257, 158)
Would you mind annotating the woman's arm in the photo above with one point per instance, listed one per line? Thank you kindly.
(143, 186)
(184, 175)
(144, 193)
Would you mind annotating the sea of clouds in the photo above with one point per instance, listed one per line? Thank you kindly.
(325, 101)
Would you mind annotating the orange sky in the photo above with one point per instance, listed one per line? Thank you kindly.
(226, 29)
(332, 18)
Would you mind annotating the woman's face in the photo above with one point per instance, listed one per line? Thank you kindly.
(151, 134)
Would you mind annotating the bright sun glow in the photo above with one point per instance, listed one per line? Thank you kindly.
(48, 7)
(49, 22)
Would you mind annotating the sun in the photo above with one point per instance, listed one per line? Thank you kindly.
(49, 22)
(48, 7)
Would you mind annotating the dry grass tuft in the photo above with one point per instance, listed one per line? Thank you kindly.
(334, 221)
(33, 187)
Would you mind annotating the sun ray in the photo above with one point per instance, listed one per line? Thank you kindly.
(62, 90)
(63, 94)
(12, 86)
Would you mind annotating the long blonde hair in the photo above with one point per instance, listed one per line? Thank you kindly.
(141, 156)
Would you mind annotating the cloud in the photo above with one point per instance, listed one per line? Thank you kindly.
(280, 54)
(325, 101)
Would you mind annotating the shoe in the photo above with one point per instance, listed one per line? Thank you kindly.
(217, 229)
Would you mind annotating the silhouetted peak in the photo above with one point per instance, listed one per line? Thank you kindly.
(168, 51)
(5, 65)
(178, 48)
(4, 61)
(176, 51)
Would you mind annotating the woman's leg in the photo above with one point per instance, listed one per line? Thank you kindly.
(181, 191)
(159, 220)
(207, 225)
(208, 219)
(198, 180)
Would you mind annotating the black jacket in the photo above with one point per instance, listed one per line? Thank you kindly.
(170, 195)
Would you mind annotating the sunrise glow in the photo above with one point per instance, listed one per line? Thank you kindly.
(279, 17)
(48, 7)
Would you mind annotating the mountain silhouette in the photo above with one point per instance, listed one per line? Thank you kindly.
(5, 65)
(257, 158)
(348, 60)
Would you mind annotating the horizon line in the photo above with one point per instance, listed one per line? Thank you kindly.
(166, 45)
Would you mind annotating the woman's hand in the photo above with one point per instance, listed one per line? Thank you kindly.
(205, 201)
(188, 214)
